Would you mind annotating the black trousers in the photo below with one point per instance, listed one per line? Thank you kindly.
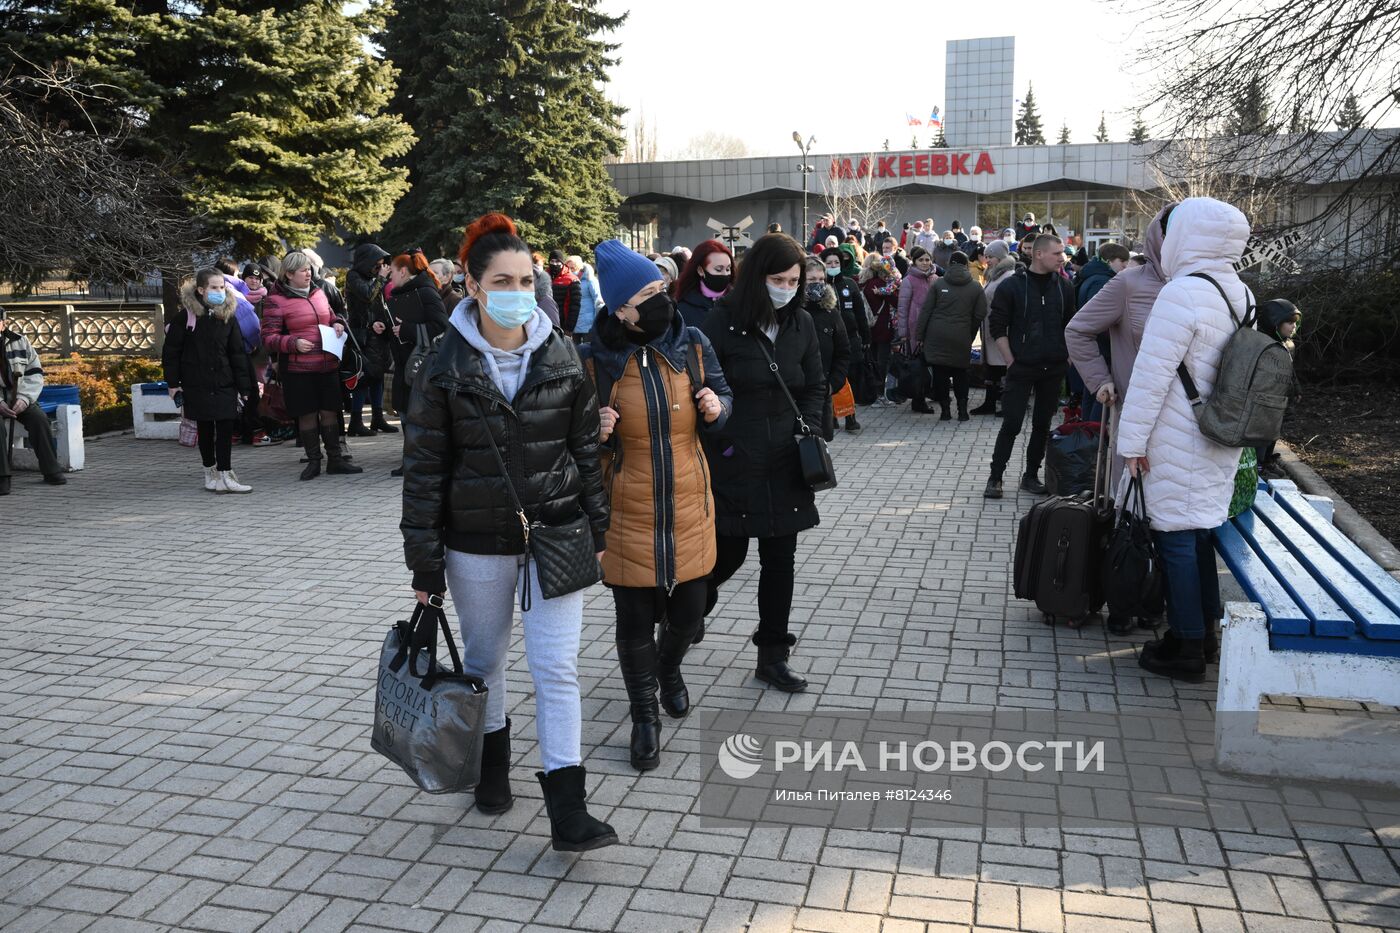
(36, 425)
(250, 422)
(942, 376)
(776, 576)
(1021, 381)
(216, 442)
(640, 608)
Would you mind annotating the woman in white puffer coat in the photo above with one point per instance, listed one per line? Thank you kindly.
(1187, 478)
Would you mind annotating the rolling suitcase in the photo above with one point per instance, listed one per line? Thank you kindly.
(1060, 545)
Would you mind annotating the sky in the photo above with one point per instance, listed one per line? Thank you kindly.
(847, 73)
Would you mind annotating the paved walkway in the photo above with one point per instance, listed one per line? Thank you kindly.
(186, 695)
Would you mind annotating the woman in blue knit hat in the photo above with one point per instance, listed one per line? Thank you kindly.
(660, 389)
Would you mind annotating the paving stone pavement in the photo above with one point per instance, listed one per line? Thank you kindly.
(187, 691)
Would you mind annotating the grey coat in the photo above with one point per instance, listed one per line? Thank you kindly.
(953, 310)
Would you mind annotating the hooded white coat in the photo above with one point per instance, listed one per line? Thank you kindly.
(1190, 477)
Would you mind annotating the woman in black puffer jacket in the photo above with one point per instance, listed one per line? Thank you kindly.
(415, 300)
(832, 338)
(757, 474)
(504, 373)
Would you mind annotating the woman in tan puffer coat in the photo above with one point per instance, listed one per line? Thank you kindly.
(659, 386)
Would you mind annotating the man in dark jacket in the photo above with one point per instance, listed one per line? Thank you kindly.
(1028, 317)
(826, 227)
(369, 324)
(835, 343)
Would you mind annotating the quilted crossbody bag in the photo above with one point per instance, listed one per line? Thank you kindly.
(565, 561)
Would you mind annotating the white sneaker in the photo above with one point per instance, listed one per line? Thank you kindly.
(211, 479)
(228, 482)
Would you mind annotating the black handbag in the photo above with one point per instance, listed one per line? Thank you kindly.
(423, 347)
(565, 560)
(818, 471)
(1132, 572)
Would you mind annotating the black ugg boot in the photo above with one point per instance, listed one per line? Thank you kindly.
(852, 425)
(377, 423)
(671, 647)
(311, 443)
(357, 426)
(570, 826)
(637, 659)
(945, 414)
(1174, 657)
(772, 669)
(337, 462)
(493, 790)
(963, 414)
(989, 404)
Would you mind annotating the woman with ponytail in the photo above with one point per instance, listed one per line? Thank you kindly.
(504, 375)
(415, 298)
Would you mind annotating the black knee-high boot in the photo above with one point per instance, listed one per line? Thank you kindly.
(637, 658)
(335, 456)
(311, 444)
(671, 647)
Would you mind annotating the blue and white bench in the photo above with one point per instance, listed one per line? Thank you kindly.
(153, 413)
(1325, 624)
(60, 403)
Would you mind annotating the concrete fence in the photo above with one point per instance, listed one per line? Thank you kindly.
(104, 327)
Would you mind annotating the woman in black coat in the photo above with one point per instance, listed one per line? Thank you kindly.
(416, 299)
(835, 345)
(207, 370)
(757, 475)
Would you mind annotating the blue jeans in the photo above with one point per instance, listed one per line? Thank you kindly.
(1192, 585)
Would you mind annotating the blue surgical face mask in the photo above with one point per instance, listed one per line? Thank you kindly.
(780, 297)
(833, 272)
(215, 298)
(510, 309)
(459, 278)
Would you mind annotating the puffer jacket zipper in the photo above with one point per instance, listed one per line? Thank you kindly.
(662, 466)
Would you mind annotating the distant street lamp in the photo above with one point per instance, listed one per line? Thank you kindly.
(806, 170)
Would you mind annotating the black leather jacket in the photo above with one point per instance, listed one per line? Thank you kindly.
(453, 493)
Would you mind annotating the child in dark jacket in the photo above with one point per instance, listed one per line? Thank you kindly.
(1279, 319)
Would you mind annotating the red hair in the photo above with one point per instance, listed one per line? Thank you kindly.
(689, 279)
(416, 262)
(488, 235)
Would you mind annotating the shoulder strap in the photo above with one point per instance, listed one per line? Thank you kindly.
(1239, 324)
(773, 367)
(694, 362)
(525, 597)
(604, 381)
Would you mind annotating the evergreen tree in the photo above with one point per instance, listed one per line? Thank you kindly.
(1028, 129)
(1102, 135)
(1250, 112)
(1064, 134)
(1350, 116)
(1139, 132)
(273, 114)
(940, 141)
(515, 121)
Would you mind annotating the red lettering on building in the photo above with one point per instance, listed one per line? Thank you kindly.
(907, 166)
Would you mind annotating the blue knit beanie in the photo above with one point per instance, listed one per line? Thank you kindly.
(622, 273)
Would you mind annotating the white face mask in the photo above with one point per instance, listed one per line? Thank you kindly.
(949, 242)
(780, 296)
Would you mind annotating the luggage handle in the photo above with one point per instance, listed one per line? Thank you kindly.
(1102, 459)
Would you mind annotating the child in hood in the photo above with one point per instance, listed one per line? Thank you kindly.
(1279, 319)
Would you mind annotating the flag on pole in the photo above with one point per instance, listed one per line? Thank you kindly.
(933, 119)
(913, 120)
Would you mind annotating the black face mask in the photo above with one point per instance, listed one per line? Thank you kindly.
(715, 283)
(555, 269)
(654, 315)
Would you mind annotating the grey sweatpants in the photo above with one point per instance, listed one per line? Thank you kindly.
(483, 588)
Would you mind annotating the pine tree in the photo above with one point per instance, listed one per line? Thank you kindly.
(272, 114)
(1250, 112)
(1350, 116)
(1064, 135)
(1028, 129)
(1102, 135)
(1139, 132)
(939, 141)
(516, 121)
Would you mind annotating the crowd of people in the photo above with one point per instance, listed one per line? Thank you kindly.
(659, 403)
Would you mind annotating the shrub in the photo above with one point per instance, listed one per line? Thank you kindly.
(1350, 330)
(104, 386)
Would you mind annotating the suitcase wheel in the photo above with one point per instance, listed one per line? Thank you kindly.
(1081, 621)
(1048, 619)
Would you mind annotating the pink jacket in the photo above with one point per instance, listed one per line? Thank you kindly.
(1120, 309)
(911, 299)
(287, 318)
